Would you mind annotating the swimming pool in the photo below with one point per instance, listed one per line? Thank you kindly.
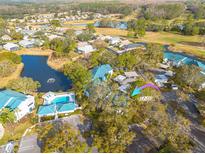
(62, 99)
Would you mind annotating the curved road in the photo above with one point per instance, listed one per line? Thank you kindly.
(198, 136)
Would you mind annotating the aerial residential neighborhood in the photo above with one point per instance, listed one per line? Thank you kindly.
(86, 76)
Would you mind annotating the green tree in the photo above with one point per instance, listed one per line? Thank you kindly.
(3, 26)
(70, 33)
(189, 76)
(153, 54)
(136, 28)
(71, 44)
(170, 135)
(90, 28)
(79, 75)
(59, 137)
(94, 59)
(110, 132)
(190, 28)
(6, 116)
(128, 60)
(16, 35)
(55, 23)
(16, 59)
(6, 68)
(63, 46)
(108, 111)
(85, 36)
(24, 85)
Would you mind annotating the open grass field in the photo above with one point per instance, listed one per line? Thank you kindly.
(111, 31)
(4, 81)
(189, 44)
(80, 22)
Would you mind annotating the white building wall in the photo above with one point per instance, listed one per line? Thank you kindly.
(25, 107)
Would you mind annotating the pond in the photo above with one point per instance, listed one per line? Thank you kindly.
(183, 58)
(178, 57)
(119, 25)
(36, 68)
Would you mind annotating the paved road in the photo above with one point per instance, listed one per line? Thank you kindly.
(198, 135)
(141, 143)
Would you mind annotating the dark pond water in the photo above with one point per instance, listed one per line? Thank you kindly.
(36, 67)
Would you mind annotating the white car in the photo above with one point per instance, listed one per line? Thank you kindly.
(174, 87)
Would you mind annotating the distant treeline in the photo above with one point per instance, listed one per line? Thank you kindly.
(163, 11)
(105, 8)
(18, 10)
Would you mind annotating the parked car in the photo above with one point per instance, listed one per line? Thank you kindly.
(174, 87)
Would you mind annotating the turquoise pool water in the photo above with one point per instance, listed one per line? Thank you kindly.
(63, 99)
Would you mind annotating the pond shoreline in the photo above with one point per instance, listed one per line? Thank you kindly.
(32, 52)
(171, 49)
(40, 52)
(36, 67)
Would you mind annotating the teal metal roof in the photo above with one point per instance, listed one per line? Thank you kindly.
(66, 107)
(11, 99)
(60, 107)
(101, 71)
(46, 109)
(60, 104)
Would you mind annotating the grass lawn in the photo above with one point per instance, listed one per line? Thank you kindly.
(111, 31)
(34, 51)
(189, 44)
(80, 22)
(15, 131)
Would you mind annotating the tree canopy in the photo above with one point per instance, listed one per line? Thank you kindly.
(189, 76)
(24, 85)
(6, 116)
(79, 75)
(59, 137)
